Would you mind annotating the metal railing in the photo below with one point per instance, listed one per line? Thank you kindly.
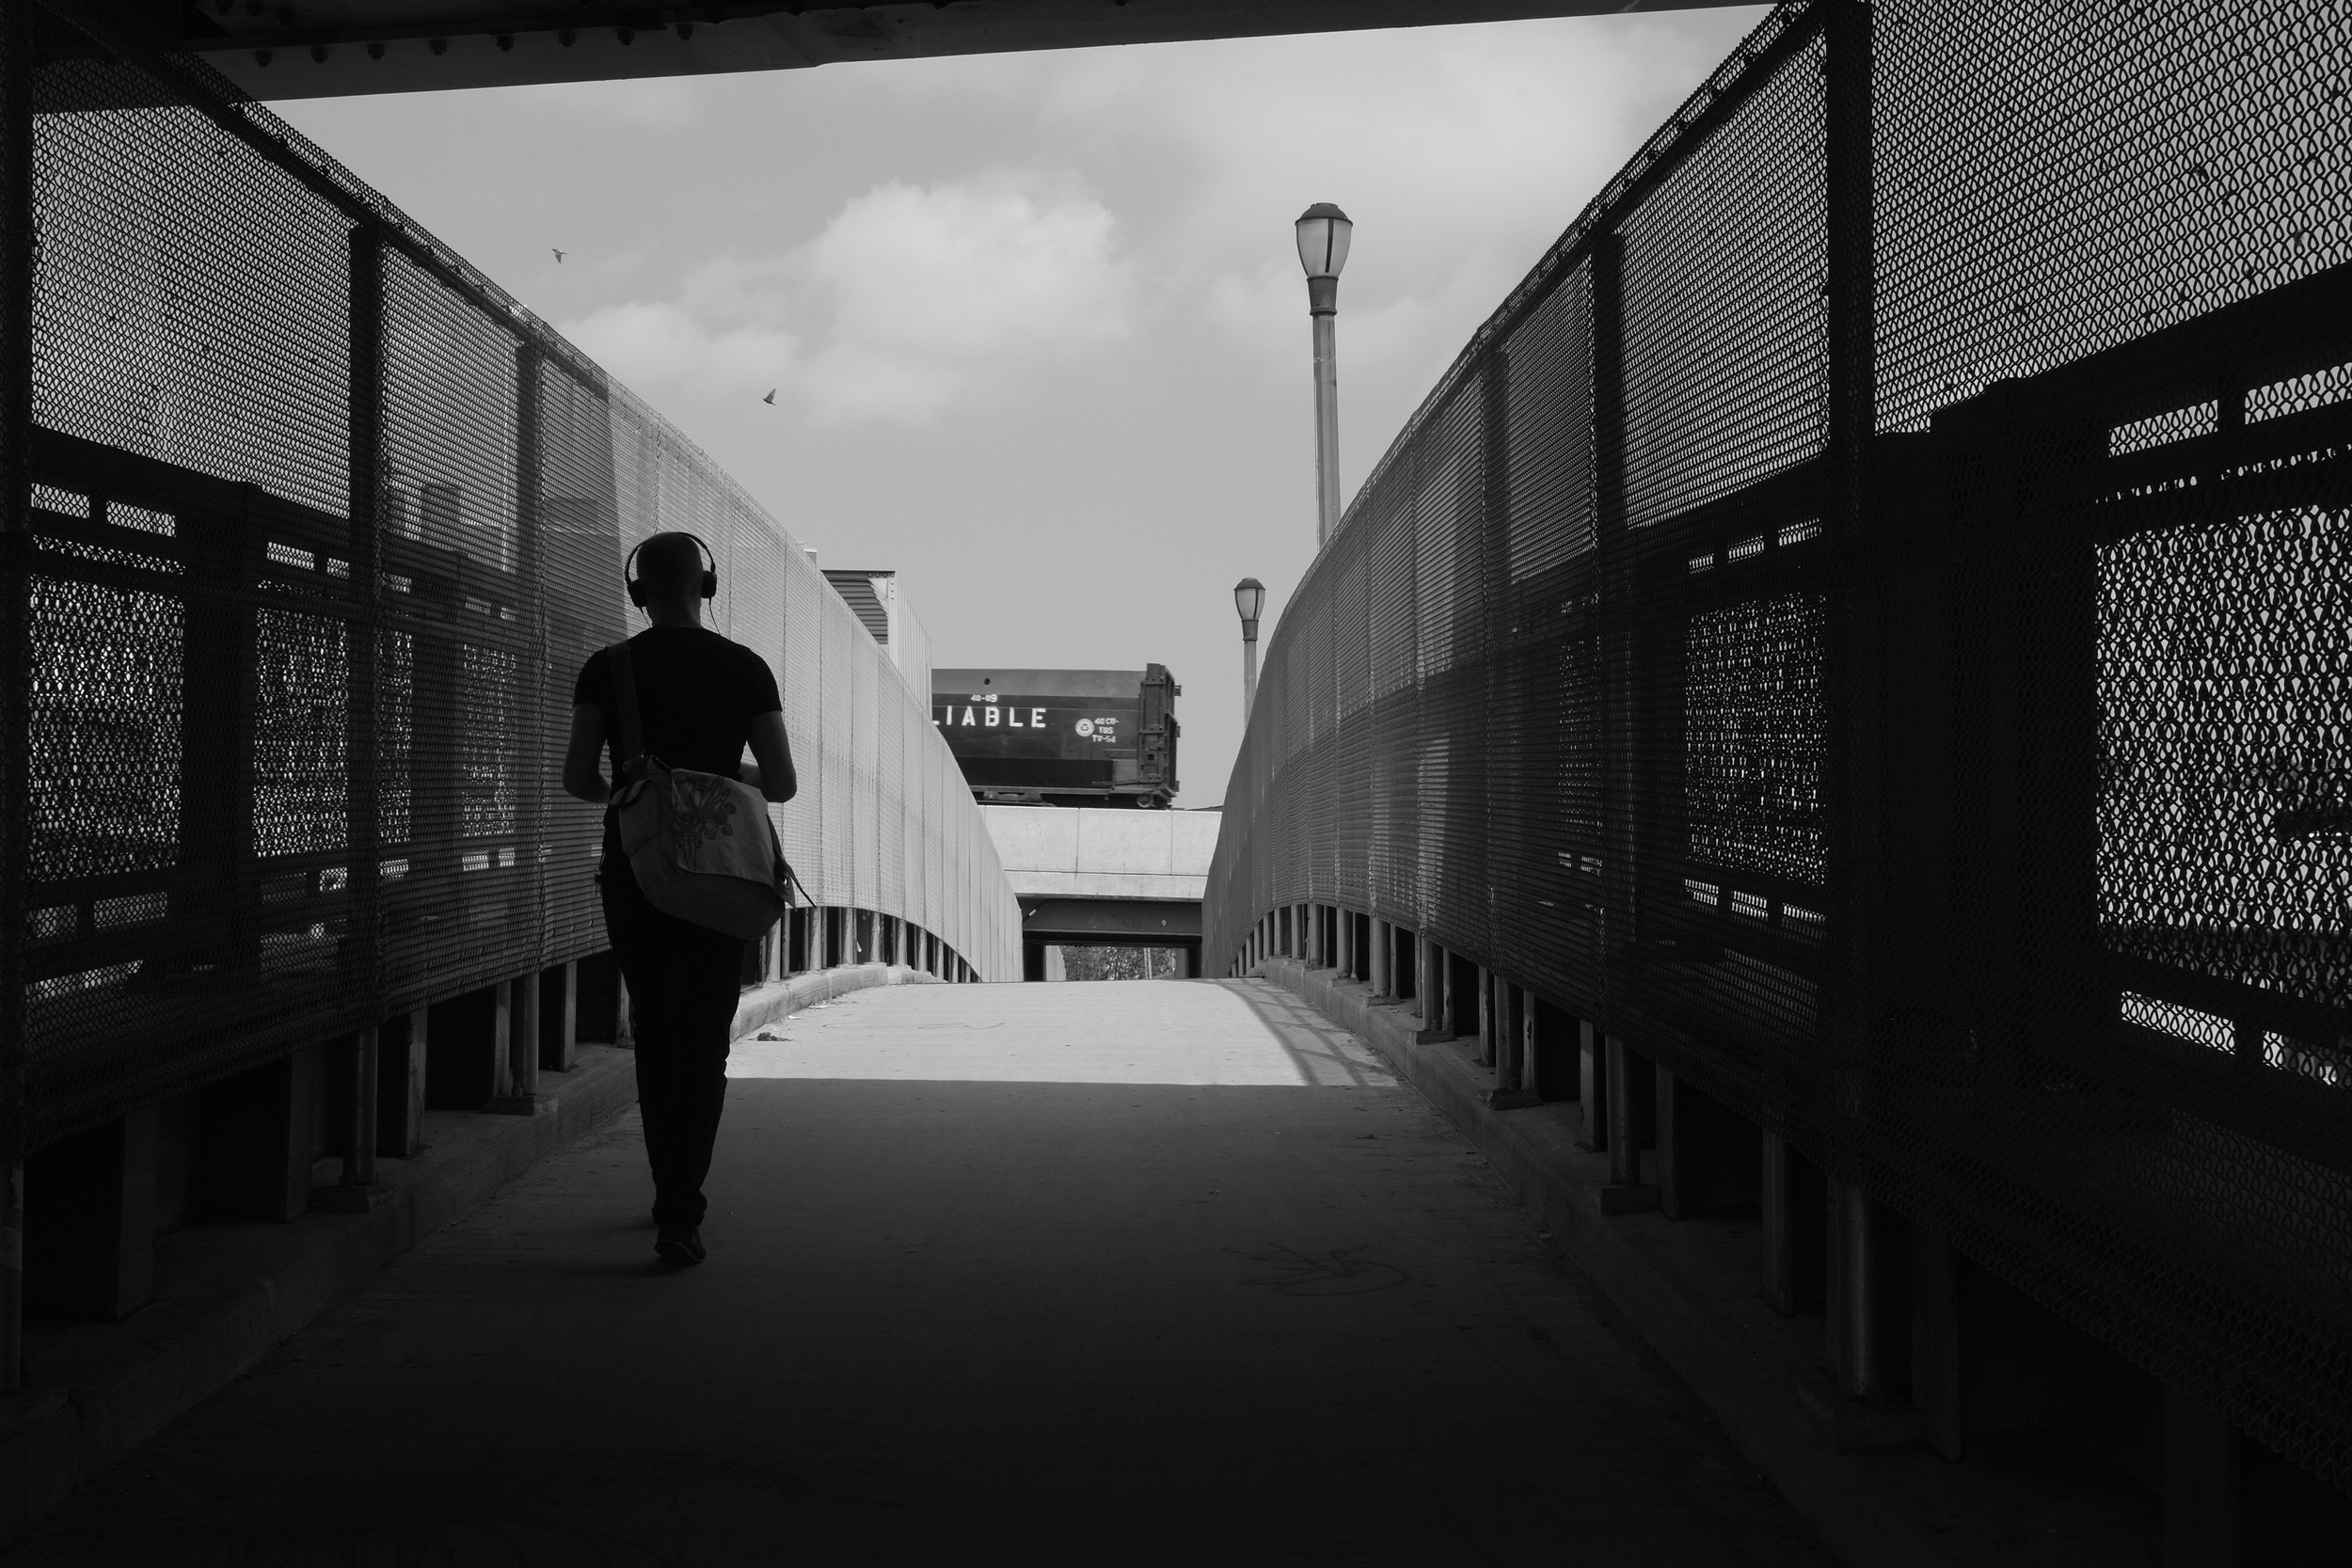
(1863, 627)
(310, 527)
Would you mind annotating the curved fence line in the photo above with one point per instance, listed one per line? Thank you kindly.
(321, 527)
(1861, 633)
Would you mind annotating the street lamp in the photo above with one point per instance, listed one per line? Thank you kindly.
(1249, 598)
(1323, 233)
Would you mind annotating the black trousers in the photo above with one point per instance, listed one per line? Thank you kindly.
(683, 982)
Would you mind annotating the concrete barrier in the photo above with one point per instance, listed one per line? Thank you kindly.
(764, 1004)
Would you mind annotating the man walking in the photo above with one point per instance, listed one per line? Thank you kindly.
(701, 700)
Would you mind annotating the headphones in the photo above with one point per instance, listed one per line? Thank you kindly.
(637, 590)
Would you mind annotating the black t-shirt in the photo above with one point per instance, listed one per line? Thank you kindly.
(697, 694)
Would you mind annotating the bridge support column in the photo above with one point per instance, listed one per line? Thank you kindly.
(1515, 1060)
(516, 1034)
(1626, 1192)
(256, 1135)
(1857, 1344)
(1486, 1015)
(1383, 982)
(358, 1189)
(1506, 1049)
(1592, 1085)
(400, 1048)
(1431, 991)
(559, 1013)
(1778, 1227)
(1625, 1149)
(90, 1255)
(1667, 1160)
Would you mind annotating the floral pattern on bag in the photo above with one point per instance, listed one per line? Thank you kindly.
(700, 806)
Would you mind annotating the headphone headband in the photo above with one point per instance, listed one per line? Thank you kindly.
(709, 584)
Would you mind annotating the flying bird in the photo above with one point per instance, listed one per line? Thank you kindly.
(770, 397)
(559, 256)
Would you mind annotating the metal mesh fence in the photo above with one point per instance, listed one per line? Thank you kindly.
(321, 527)
(1866, 623)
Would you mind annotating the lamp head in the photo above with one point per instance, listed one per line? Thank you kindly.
(1249, 598)
(1323, 231)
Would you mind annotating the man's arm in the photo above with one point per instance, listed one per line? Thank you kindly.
(771, 757)
(584, 756)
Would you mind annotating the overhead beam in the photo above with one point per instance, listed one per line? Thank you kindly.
(1137, 920)
(337, 48)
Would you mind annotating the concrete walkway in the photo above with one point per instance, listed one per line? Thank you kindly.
(1164, 1272)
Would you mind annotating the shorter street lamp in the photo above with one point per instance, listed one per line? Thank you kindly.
(1249, 598)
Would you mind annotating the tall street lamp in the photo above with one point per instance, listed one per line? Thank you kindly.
(1323, 231)
(1249, 598)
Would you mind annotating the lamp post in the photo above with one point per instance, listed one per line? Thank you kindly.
(1323, 232)
(1249, 598)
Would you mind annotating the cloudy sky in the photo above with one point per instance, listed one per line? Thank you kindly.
(1036, 324)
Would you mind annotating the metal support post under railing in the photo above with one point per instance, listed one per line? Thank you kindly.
(16, 426)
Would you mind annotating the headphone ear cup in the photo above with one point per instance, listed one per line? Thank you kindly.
(710, 585)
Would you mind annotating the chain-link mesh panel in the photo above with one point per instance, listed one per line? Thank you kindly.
(217, 775)
(1983, 826)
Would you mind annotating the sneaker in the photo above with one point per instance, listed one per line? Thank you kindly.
(682, 1245)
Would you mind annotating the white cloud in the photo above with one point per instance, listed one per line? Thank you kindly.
(914, 299)
(1461, 152)
(935, 291)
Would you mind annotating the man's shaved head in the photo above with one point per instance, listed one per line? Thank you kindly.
(670, 564)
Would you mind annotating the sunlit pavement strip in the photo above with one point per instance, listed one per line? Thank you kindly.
(1204, 1032)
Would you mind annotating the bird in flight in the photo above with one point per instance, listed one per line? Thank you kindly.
(559, 256)
(770, 397)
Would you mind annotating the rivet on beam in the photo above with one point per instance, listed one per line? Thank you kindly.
(506, 41)
(626, 35)
(375, 51)
(318, 52)
(260, 57)
(685, 31)
(438, 46)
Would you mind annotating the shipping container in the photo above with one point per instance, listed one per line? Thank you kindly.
(1100, 738)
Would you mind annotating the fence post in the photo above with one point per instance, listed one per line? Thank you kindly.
(16, 428)
(1592, 1085)
(358, 1188)
(1778, 1227)
(538, 684)
(363, 954)
(1850, 665)
(1613, 636)
(559, 1047)
(1855, 1348)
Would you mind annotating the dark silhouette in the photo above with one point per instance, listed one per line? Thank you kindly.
(703, 699)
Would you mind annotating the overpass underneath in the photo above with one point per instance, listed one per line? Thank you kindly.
(1105, 878)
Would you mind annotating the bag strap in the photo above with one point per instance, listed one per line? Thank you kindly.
(632, 737)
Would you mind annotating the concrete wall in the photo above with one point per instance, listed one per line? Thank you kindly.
(1073, 852)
